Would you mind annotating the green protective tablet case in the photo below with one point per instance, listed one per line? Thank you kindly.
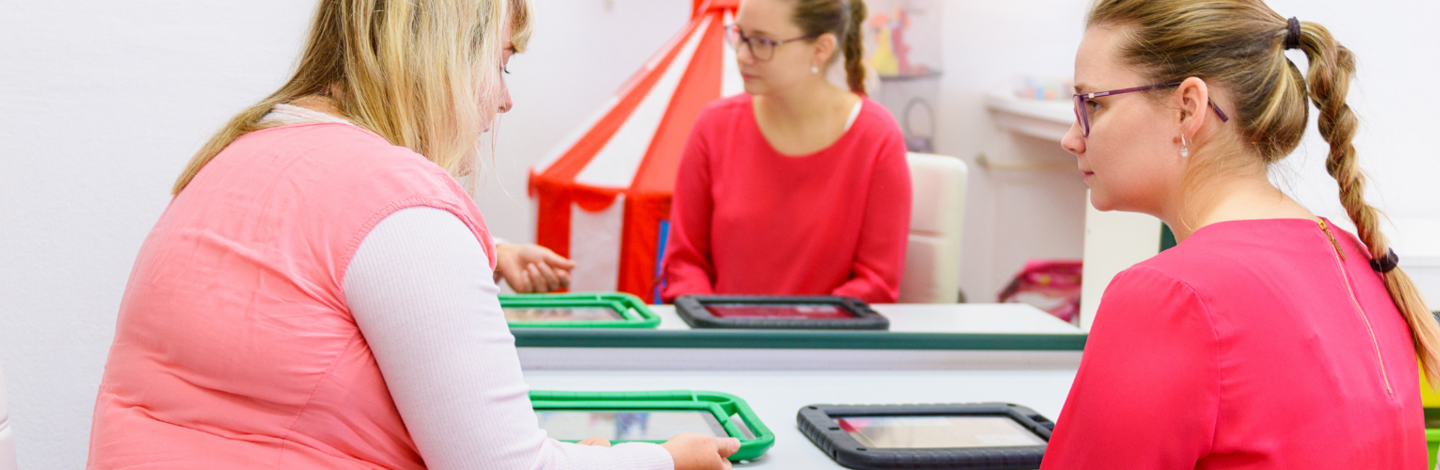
(724, 406)
(634, 311)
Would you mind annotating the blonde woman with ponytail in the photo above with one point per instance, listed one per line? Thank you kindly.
(797, 186)
(1269, 338)
(320, 292)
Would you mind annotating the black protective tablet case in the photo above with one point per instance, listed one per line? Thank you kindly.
(691, 308)
(818, 423)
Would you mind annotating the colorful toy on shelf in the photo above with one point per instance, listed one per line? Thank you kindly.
(1049, 285)
(889, 32)
(1059, 89)
(883, 60)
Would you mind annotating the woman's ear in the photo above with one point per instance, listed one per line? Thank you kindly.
(825, 46)
(1193, 100)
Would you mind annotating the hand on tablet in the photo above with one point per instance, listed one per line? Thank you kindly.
(693, 451)
(531, 268)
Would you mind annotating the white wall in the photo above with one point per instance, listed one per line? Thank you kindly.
(101, 103)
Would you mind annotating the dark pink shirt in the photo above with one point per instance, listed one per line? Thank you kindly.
(749, 220)
(1251, 345)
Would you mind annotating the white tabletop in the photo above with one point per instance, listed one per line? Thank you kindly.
(776, 396)
(1024, 321)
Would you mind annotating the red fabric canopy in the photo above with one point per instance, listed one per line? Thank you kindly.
(604, 195)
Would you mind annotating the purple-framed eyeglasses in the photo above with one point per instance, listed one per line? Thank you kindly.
(763, 49)
(1082, 113)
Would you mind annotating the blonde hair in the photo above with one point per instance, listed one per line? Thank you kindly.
(423, 74)
(1240, 45)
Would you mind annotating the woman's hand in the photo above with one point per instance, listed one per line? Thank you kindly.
(692, 451)
(532, 268)
(596, 442)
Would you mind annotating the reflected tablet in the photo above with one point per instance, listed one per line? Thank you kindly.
(619, 425)
(978, 436)
(802, 311)
(928, 432)
(561, 314)
(778, 312)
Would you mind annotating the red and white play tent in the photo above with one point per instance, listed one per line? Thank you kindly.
(604, 193)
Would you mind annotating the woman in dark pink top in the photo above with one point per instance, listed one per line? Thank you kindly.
(1268, 338)
(798, 186)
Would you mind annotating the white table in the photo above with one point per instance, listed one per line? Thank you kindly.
(940, 318)
(776, 396)
(921, 337)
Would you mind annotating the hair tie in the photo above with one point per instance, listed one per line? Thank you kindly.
(1386, 264)
(1292, 38)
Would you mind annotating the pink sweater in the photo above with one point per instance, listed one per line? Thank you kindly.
(1251, 345)
(749, 220)
(236, 347)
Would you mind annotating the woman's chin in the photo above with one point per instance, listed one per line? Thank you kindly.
(1101, 201)
(755, 87)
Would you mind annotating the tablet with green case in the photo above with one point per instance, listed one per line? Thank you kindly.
(651, 417)
(580, 310)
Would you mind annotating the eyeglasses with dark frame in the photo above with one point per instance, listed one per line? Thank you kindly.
(762, 48)
(1082, 113)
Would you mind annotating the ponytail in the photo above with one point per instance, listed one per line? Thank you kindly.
(846, 20)
(1331, 66)
(854, 47)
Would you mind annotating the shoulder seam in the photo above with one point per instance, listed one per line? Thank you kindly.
(1214, 337)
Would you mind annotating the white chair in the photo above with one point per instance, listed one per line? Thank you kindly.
(937, 215)
(7, 439)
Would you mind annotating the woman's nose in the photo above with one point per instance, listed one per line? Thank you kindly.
(506, 104)
(1074, 142)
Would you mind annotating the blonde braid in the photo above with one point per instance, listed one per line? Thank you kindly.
(1331, 66)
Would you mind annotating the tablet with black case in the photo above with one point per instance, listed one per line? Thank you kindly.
(778, 312)
(974, 436)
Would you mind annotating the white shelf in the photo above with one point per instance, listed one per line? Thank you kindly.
(1048, 120)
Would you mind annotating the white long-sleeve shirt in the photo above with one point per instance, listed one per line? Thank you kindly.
(421, 290)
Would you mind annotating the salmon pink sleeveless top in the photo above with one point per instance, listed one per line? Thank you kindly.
(234, 347)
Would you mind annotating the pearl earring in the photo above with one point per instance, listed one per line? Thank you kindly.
(814, 68)
(1184, 147)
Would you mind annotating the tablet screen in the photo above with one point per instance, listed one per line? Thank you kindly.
(938, 432)
(574, 425)
(562, 314)
(789, 311)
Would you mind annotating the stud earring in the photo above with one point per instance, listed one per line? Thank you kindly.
(1184, 147)
(814, 68)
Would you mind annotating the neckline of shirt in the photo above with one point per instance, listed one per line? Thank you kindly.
(285, 114)
(1287, 222)
(849, 124)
